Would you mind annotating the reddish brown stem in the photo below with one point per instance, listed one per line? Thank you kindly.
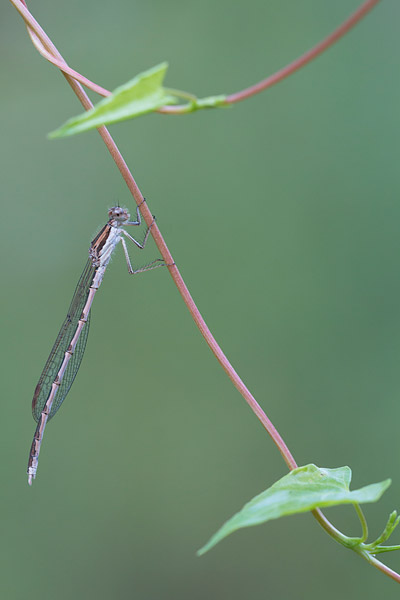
(306, 57)
(232, 98)
(164, 251)
(291, 67)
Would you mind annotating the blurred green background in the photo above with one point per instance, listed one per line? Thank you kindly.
(283, 216)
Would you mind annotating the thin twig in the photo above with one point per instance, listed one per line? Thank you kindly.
(380, 566)
(291, 67)
(161, 245)
(64, 67)
(306, 57)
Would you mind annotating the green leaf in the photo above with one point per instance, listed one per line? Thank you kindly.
(302, 490)
(143, 94)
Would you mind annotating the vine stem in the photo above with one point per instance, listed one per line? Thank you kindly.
(178, 109)
(41, 39)
(363, 522)
(379, 565)
(291, 67)
(306, 57)
(46, 47)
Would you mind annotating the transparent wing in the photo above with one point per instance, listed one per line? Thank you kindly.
(61, 344)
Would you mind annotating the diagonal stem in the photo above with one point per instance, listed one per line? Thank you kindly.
(381, 566)
(306, 57)
(161, 245)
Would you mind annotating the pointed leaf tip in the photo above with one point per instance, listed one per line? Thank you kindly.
(301, 490)
(142, 94)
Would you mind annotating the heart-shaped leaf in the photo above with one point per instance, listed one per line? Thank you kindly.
(301, 490)
(142, 94)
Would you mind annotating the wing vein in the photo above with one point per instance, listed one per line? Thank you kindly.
(61, 345)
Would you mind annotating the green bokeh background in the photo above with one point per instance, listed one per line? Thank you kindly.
(283, 216)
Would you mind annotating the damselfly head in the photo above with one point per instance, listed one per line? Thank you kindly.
(118, 214)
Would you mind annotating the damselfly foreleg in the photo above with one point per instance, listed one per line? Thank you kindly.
(138, 217)
(142, 244)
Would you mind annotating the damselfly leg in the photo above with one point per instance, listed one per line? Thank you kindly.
(158, 262)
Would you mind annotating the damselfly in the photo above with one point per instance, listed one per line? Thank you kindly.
(66, 355)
